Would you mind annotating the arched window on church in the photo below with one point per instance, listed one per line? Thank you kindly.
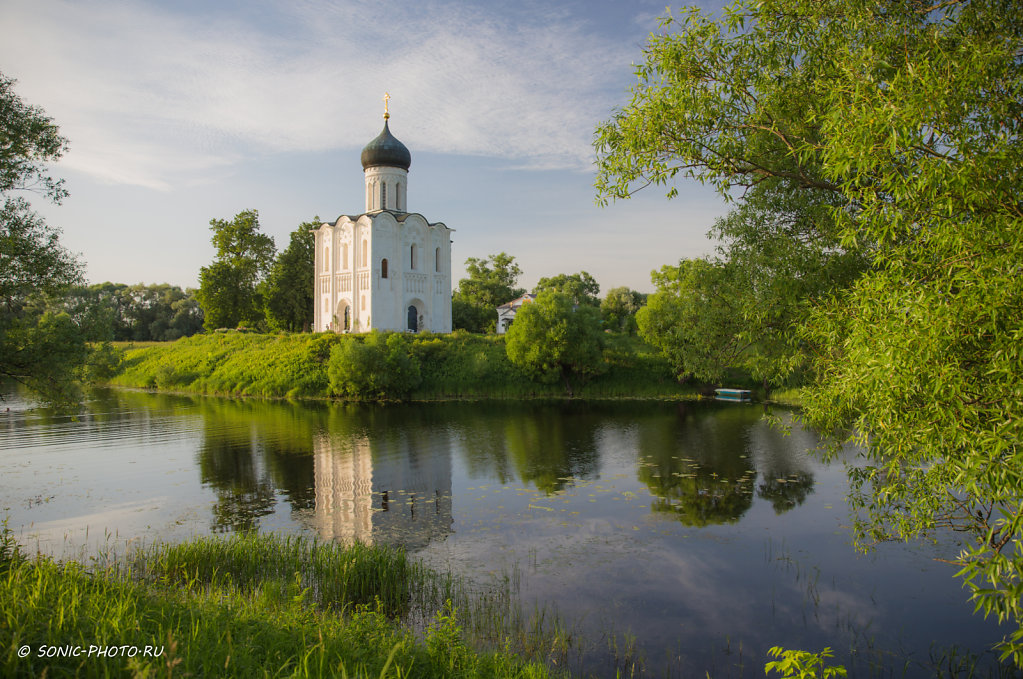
(365, 253)
(436, 260)
(399, 197)
(344, 256)
(412, 257)
(383, 268)
(383, 196)
(326, 258)
(362, 303)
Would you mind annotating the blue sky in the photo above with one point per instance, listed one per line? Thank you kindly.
(180, 112)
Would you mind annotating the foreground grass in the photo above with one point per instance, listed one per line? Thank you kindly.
(459, 365)
(244, 605)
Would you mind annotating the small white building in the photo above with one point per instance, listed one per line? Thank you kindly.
(506, 312)
(387, 268)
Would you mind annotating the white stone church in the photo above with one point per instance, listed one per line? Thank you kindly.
(388, 268)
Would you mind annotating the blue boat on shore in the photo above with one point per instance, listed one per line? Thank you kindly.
(734, 394)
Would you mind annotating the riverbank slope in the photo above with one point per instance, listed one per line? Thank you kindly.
(459, 365)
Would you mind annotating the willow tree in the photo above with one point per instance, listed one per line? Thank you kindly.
(909, 114)
(554, 338)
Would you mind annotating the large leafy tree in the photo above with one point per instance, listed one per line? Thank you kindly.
(288, 289)
(553, 338)
(490, 283)
(581, 287)
(228, 287)
(39, 348)
(909, 114)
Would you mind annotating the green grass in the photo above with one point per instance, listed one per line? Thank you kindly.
(245, 605)
(458, 365)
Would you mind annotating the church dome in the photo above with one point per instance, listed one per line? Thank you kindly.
(386, 150)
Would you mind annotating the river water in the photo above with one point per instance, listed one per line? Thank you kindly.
(673, 539)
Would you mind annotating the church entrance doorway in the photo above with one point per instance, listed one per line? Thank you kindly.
(413, 319)
(343, 318)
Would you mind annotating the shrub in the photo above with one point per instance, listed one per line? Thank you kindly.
(380, 366)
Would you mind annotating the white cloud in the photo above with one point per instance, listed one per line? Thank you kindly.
(153, 97)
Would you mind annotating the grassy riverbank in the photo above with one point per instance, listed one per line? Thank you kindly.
(459, 365)
(246, 605)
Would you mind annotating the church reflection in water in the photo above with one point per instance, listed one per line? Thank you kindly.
(398, 495)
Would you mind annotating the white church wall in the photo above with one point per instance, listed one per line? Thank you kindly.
(383, 305)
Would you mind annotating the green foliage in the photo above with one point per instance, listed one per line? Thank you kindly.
(11, 555)
(142, 313)
(552, 338)
(802, 664)
(444, 641)
(288, 289)
(581, 287)
(692, 318)
(618, 309)
(729, 102)
(228, 290)
(102, 363)
(908, 117)
(472, 317)
(373, 367)
(491, 283)
(29, 141)
(779, 256)
(39, 347)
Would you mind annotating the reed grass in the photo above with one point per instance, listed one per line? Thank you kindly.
(243, 605)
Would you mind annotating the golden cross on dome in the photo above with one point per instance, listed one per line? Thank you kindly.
(387, 98)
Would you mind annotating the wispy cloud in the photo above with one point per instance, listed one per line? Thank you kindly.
(152, 96)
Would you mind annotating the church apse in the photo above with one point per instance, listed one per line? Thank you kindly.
(382, 491)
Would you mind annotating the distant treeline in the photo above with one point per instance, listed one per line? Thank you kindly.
(141, 313)
(379, 366)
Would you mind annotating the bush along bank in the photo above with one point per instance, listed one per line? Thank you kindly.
(379, 366)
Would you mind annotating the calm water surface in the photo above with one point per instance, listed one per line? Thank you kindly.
(693, 534)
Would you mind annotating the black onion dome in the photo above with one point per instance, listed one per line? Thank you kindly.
(386, 150)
